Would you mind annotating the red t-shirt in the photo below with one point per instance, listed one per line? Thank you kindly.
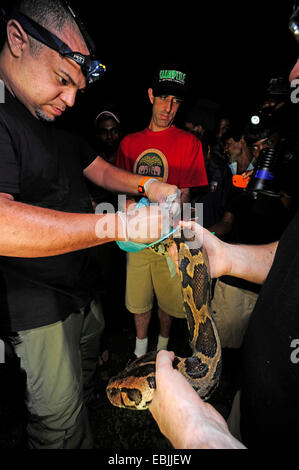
(173, 156)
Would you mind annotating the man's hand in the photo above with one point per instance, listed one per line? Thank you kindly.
(249, 262)
(182, 416)
(145, 224)
(168, 196)
(159, 192)
(218, 252)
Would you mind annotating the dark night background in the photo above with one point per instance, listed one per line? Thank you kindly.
(231, 49)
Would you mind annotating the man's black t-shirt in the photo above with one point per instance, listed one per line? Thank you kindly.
(42, 165)
(269, 396)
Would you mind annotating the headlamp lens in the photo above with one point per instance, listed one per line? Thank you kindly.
(95, 71)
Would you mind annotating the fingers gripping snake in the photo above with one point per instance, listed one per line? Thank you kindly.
(134, 387)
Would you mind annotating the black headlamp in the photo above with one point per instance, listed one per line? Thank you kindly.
(92, 68)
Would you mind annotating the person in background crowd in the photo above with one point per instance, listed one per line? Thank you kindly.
(248, 218)
(200, 122)
(202, 116)
(111, 259)
(264, 134)
(108, 134)
(239, 154)
(106, 140)
(223, 124)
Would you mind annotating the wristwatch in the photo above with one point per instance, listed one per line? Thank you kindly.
(141, 185)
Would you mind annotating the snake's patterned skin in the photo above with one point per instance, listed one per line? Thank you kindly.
(134, 387)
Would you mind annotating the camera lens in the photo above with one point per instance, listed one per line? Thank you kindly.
(264, 178)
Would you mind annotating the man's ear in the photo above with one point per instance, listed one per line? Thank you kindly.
(16, 37)
(151, 95)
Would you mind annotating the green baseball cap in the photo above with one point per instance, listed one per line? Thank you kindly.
(170, 80)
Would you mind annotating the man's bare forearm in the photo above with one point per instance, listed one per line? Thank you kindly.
(112, 178)
(29, 231)
(249, 262)
(118, 180)
(252, 262)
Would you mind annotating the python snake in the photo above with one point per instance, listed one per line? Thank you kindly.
(134, 387)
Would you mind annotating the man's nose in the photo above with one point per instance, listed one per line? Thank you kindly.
(69, 97)
(169, 105)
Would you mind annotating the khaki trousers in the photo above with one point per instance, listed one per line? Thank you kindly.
(232, 307)
(60, 361)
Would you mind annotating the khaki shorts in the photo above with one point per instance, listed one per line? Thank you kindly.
(148, 274)
(232, 307)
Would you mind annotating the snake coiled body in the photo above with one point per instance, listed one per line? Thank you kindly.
(134, 387)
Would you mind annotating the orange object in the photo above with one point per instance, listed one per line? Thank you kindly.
(141, 189)
(240, 182)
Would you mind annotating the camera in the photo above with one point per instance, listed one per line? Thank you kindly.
(264, 177)
(274, 172)
(274, 145)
